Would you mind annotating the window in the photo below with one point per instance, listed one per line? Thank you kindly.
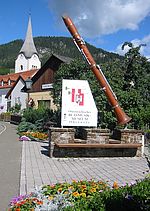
(44, 103)
(17, 100)
(8, 105)
(9, 82)
(34, 67)
(21, 67)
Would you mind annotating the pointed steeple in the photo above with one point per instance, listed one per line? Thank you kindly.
(28, 57)
(28, 48)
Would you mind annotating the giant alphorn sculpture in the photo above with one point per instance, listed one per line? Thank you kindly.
(122, 118)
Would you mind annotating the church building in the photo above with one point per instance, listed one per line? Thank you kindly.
(26, 65)
(28, 57)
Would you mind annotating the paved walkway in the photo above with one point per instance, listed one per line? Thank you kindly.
(10, 164)
(38, 169)
(21, 174)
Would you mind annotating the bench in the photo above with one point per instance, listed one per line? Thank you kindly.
(114, 146)
(96, 150)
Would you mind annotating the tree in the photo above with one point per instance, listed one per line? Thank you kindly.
(128, 78)
(136, 88)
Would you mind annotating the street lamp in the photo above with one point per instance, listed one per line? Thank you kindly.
(28, 83)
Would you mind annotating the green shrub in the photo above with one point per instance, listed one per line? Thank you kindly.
(15, 109)
(39, 118)
(26, 126)
(30, 115)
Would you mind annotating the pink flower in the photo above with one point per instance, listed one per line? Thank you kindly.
(24, 138)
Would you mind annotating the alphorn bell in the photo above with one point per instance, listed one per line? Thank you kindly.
(122, 118)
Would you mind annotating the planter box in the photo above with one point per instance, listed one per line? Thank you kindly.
(2, 117)
(15, 119)
(5, 117)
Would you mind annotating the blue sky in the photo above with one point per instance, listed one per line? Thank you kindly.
(106, 24)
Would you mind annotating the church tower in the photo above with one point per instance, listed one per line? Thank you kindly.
(28, 57)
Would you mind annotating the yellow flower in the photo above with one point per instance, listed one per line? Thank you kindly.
(50, 197)
(59, 189)
(93, 190)
(83, 195)
(83, 186)
(70, 187)
(76, 194)
(115, 185)
(66, 192)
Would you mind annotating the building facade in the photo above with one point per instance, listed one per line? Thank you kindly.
(42, 82)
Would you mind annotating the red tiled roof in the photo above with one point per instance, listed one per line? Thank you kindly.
(6, 86)
(14, 76)
(14, 84)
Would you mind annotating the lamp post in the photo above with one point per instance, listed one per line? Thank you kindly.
(28, 84)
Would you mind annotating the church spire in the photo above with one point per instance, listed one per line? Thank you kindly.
(28, 48)
(28, 57)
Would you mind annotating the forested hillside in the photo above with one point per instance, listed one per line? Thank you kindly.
(63, 46)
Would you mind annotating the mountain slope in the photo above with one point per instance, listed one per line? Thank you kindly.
(63, 46)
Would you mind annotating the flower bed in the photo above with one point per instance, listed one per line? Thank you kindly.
(86, 195)
(29, 136)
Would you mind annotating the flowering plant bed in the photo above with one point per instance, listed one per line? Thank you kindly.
(29, 136)
(86, 195)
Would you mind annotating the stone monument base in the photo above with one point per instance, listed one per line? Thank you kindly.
(95, 142)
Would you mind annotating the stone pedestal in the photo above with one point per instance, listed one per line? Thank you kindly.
(62, 135)
(96, 135)
(131, 136)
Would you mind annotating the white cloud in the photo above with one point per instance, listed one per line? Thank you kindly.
(144, 50)
(120, 51)
(99, 17)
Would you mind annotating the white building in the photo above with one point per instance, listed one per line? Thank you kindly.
(15, 96)
(28, 57)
